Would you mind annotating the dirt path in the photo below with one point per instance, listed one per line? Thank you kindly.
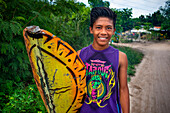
(150, 88)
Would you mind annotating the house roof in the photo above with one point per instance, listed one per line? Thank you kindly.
(140, 30)
(155, 28)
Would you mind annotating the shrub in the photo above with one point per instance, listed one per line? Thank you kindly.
(24, 99)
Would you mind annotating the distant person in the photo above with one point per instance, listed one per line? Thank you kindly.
(106, 67)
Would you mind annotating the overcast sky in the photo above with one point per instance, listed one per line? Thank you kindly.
(139, 7)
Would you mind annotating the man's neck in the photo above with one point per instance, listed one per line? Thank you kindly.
(97, 47)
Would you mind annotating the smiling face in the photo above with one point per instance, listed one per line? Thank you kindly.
(102, 31)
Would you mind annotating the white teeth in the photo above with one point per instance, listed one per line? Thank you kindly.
(102, 38)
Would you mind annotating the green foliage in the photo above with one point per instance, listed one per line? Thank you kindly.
(157, 18)
(131, 70)
(165, 11)
(148, 25)
(23, 99)
(99, 3)
(137, 27)
(134, 57)
(124, 21)
(160, 17)
(64, 18)
(128, 79)
(77, 29)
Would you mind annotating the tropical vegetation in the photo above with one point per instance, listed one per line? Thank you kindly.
(67, 19)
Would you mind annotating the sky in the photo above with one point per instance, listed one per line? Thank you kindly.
(139, 7)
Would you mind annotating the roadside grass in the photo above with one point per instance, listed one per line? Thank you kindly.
(134, 57)
(24, 99)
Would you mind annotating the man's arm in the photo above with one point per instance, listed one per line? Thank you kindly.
(123, 89)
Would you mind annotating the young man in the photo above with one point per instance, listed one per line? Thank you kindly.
(106, 67)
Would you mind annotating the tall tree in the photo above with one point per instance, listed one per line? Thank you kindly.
(157, 18)
(124, 16)
(149, 18)
(124, 21)
(165, 11)
(99, 3)
(142, 19)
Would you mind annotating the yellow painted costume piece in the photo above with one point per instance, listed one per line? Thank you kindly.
(58, 71)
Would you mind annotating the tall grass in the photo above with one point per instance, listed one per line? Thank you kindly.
(134, 57)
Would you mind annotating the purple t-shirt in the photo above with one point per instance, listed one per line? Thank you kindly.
(101, 80)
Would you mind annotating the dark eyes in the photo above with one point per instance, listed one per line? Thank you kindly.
(98, 27)
(107, 28)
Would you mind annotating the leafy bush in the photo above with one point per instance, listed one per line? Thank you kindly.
(70, 24)
(24, 99)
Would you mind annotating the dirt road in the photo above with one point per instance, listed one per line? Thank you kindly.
(150, 88)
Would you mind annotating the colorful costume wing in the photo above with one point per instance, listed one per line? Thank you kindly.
(58, 71)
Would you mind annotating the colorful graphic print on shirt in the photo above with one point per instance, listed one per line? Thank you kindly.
(100, 82)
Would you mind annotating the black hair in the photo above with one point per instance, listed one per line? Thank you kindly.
(97, 12)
